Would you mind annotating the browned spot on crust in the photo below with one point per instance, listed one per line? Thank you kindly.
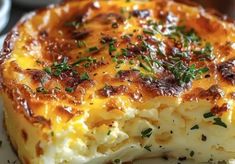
(220, 109)
(81, 34)
(24, 135)
(39, 150)
(37, 75)
(41, 120)
(109, 18)
(167, 86)
(112, 104)
(207, 24)
(109, 90)
(64, 112)
(214, 92)
(128, 75)
(16, 67)
(227, 70)
(232, 95)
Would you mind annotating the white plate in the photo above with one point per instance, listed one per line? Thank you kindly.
(5, 6)
(33, 3)
(7, 156)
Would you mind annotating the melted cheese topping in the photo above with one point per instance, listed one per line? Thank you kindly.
(116, 80)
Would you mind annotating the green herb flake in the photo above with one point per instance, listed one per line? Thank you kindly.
(75, 24)
(84, 59)
(146, 133)
(117, 161)
(120, 61)
(208, 115)
(57, 72)
(203, 138)
(84, 76)
(48, 70)
(203, 70)
(219, 122)
(112, 48)
(81, 44)
(93, 49)
(114, 25)
(145, 67)
(69, 90)
(206, 53)
(41, 90)
(195, 127)
(148, 31)
(140, 37)
(58, 68)
(191, 153)
(148, 147)
(109, 132)
(131, 62)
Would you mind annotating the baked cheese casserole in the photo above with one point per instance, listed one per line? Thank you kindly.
(114, 81)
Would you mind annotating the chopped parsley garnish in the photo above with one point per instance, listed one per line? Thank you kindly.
(81, 44)
(191, 36)
(184, 74)
(219, 122)
(131, 62)
(48, 70)
(195, 127)
(75, 24)
(148, 147)
(109, 132)
(112, 48)
(114, 25)
(117, 161)
(145, 67)
(203, 138)
(60, 67)
(191, 153)
(202, 70)
(69, 90)
(146, 133)
(84, 59)
(124, 52)
(179, 33)
(84, 76)
(206, 53)
(148, 31)
(208, 115)
(93, 49)
(41, 90)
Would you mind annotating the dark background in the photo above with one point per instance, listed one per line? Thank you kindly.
(224, 6)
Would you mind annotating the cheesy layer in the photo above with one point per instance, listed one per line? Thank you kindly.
(116, 81)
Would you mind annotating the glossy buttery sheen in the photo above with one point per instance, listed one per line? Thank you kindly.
(115, 81)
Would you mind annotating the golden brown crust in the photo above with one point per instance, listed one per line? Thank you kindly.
(76, 74)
